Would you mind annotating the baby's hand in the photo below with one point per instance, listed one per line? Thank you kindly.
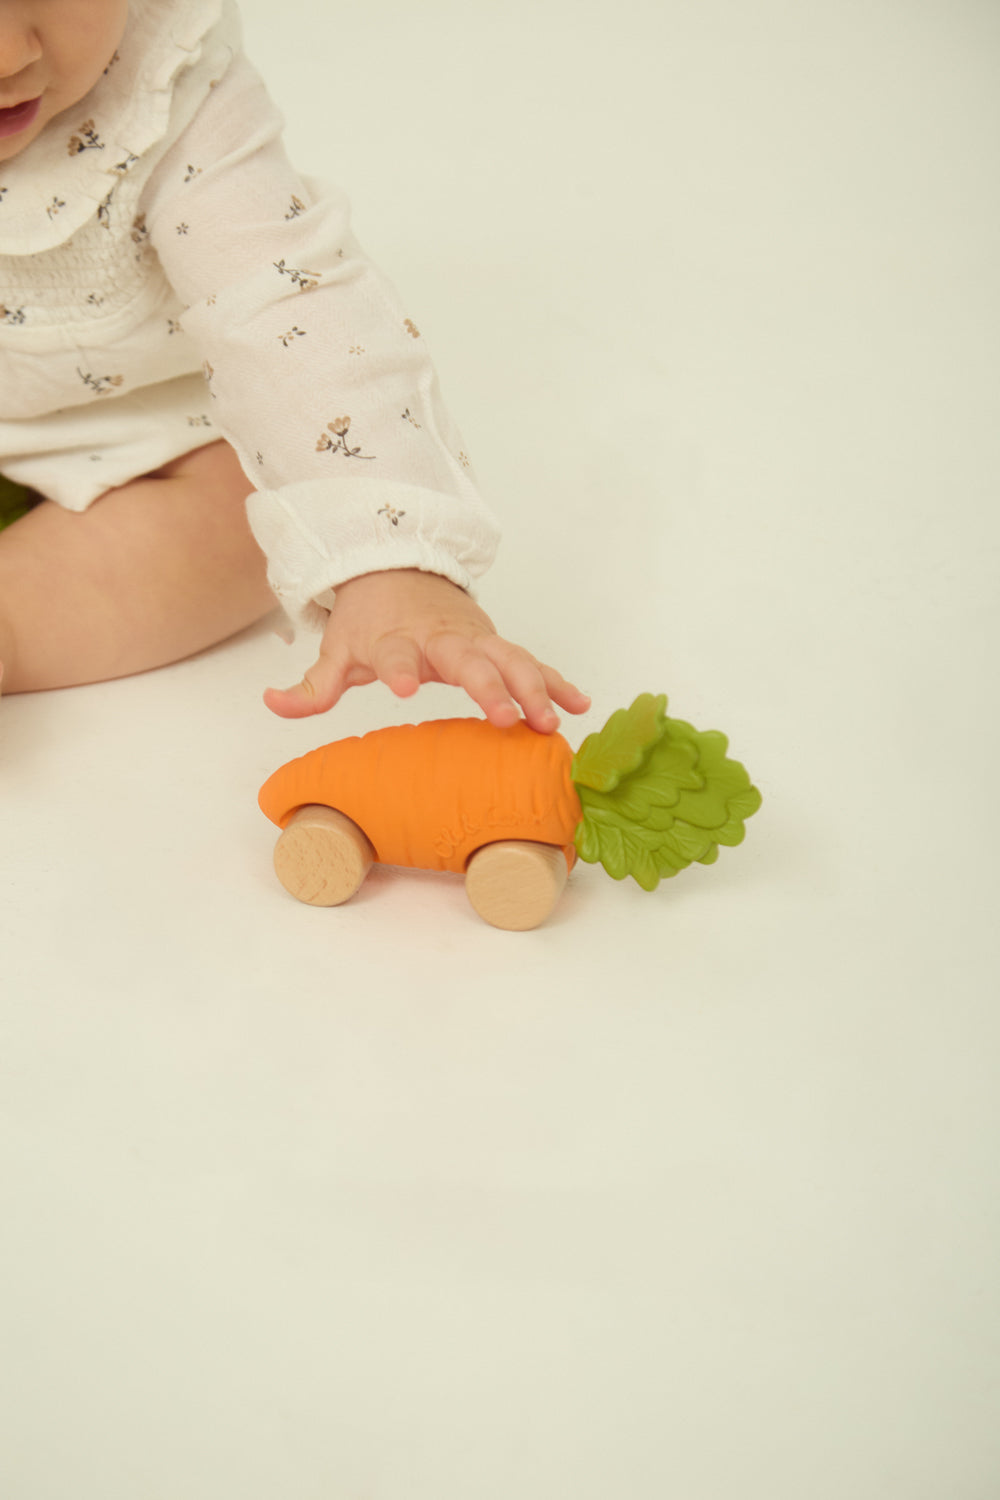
(403, 628)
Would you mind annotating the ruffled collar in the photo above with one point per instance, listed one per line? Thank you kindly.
(73, 168)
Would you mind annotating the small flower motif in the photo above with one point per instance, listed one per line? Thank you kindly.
(412, 420)
(391, 514)
(55, 206)
(174, 325)
(183, 229)
(139, 232)
(114, 59)
(93, 300)
(208, 372)
(356, 349)
(260, 456)
(13, 315)
(201, 421)
(293, 333)
(304, 280)
(339, 428)
(121, 167)
(212, 300)
(87, 140)
(464, 460)
(104, 210)
(101, 385)
(295, 208)
(411, 328)
(192, 173)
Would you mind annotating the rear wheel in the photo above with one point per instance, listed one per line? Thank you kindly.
(322, 857)
(515, 884)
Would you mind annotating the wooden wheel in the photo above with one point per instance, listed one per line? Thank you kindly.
(322, 857)
(514, 884)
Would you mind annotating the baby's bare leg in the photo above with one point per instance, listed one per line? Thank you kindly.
(152, 572)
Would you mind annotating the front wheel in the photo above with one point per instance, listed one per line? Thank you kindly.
(515, 884)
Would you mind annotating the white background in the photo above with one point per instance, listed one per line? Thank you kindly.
(685, 1196)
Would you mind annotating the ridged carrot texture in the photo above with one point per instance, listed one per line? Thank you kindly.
(429, 795)
(646, 796)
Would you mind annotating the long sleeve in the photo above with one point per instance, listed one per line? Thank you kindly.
(316, 375)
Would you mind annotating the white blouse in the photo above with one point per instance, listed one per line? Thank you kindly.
(157, 229)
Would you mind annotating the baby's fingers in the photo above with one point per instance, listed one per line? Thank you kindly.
(562, 692)
(455, 659)
(523, 679)
(321, 687)
(398, 661)
(535, 686)
(498, 676)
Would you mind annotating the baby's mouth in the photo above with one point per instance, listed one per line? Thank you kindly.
(18, 116)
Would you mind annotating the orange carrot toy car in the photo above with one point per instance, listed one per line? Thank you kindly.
(508, 808)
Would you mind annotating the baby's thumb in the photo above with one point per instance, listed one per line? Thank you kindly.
(319, 690)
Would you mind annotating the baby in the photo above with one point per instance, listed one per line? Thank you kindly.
(190, 337)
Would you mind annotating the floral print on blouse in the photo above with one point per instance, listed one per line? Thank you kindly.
(158, 229)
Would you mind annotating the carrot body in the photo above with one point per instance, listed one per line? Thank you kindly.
(429, 795)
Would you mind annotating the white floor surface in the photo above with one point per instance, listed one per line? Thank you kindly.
(684, 1196)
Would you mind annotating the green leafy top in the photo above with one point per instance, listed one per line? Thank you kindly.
(658, 794)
